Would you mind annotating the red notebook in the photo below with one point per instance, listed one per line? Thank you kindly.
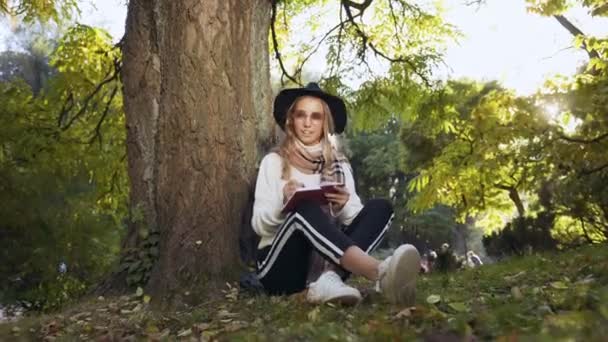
(316, 194)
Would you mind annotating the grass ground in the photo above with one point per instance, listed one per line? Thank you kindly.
(545, 297)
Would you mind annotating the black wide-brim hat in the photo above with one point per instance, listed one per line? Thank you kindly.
(286, 97)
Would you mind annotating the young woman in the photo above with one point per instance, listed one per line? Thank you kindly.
(344, 231)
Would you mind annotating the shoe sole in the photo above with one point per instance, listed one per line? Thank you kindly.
(346, 300)
(405, 269)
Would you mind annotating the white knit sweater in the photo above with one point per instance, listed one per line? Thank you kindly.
(267, 216)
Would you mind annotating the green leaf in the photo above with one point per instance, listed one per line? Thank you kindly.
(559, 285)
(459, 306)
(433, 299)
(313, 315)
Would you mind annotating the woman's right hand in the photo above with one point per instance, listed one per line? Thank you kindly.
(290, 187)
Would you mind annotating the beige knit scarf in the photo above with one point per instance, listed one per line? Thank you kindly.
(310, 160)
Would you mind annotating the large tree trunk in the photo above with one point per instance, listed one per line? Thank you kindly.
(197, 99)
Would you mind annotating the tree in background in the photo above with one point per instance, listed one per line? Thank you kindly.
(378, 158)
(29, 58)
(580, 110)
(483, 150)
(62, 171)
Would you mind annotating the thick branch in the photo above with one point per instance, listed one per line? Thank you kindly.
(514, 196)
(587, 172)
(339, 42)
(575, 31)
(585, 233)
(584, 141)
(313, 51)
(97, 132)
(65, 109)
(475, 2)
(365, 42)
(275, 44)
(361, 7)
(89, 97)
(395, 22)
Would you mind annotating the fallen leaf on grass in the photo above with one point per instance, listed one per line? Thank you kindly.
(51, 328)
(208, 334)
(370, 327)
(566, 321)
(232, 293)
(87, 328)
(161, 336)
(559, 285)
(152, 329)
(516, 293)
(236, 325)
(405, 313)
(433, 299)
(79, 316)
(313, 315)
(184, 333)
(198, 329)
(459, 306)
(515, 276)
(587, 280)
(223, 314)
(545, 310)
(257, 322)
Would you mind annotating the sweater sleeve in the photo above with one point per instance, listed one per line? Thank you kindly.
(353, 206)
(268, 201)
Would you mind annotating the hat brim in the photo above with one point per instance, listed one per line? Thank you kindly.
(287, 96)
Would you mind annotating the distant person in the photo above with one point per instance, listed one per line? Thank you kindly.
(473, 260)
(447, 260)
(343, 231)
(63, 267)
(428, 261)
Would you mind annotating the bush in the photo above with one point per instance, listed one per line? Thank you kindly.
(522, 235)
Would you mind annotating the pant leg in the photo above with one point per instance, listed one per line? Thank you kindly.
(371, 224)
(283, 267)
(369, 227)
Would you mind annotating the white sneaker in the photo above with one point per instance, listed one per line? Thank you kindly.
(397, 275)
(330, 288)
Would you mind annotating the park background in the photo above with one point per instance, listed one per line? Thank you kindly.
(484, 122)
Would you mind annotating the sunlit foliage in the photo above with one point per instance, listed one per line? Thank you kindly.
(62, 171)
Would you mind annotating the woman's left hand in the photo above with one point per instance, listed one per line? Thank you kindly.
(338, 198)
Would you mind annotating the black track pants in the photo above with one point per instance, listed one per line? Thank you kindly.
(283, 266)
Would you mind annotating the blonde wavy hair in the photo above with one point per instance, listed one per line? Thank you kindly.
(288, 145)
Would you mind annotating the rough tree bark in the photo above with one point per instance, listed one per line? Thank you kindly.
(514, 196)
(197, 100)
